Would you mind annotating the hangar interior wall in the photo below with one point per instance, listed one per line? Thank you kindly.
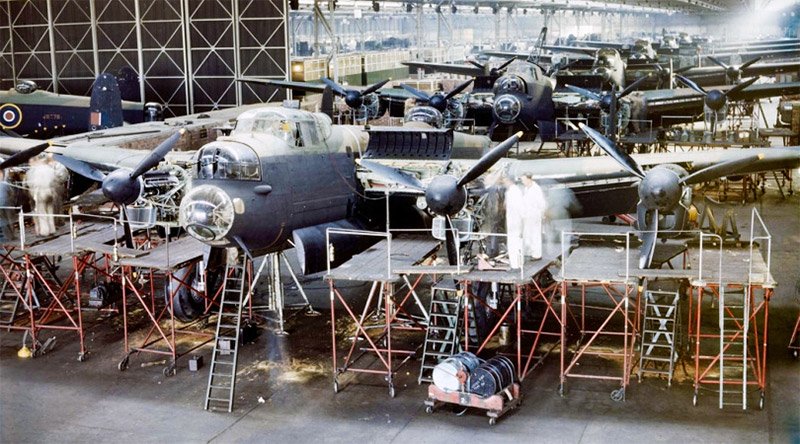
(187, 53)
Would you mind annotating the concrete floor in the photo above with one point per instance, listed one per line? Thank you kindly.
(54, 398)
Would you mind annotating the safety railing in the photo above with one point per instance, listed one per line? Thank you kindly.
(460, 265)
(755, 241)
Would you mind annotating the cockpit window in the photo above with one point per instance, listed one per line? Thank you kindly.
(296, 130)
(235, 162)
(510, 82)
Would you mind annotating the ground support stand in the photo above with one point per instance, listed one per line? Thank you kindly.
(390, 298)
(794, 343)
(162, 261)
(495, 406)
(625, 301)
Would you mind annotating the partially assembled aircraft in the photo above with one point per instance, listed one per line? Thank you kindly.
(26, 110)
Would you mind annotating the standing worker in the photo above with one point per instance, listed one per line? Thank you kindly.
(534, 206)
(514, 222)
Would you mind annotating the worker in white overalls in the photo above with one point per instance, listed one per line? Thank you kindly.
(514, 222)
(534, 206)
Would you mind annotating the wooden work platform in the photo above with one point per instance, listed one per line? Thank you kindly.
(371, 265)
(167, 256)
(605, 262)
(735, 266)
(514, 276)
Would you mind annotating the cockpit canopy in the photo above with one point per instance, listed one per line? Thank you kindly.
(425, 114)
(295, 127)
(510, 83)
(228, 160)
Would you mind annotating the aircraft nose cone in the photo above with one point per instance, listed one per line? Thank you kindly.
(207, 214)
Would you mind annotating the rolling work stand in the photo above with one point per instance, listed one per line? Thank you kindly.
(495, 406)
(390, 295)
(730, 350)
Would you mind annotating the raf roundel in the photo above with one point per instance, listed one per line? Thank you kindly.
(10, 116)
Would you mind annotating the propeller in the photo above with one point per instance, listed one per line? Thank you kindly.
(733, 72)
(496, 71)
(353, 97)
(438, 101)
(716, 99)
(24, 156)
(609, 101)
(445, 195)
(660, 189)
(122, 186)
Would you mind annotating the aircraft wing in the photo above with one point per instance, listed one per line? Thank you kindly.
(506, 54)
(596, 44)
(571, 49)
(297, 86)
(464, 70)
(765, 53)
(767, 69)
(686, 101)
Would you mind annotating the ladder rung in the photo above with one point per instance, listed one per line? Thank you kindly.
(658, 318)
(444, 315)
(439, 341)
(224, 375)
(660, 372)
(223, 362)
(218, 400)
(653, 344)
(445, 302)
(227, 338)
(661, 305)
(656, 358)
(438, 355)
(225, 387)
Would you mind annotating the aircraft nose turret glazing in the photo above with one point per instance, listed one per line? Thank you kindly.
(207, 214)
(507, 108)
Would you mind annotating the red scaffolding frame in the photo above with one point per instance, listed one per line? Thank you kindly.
(162, 261)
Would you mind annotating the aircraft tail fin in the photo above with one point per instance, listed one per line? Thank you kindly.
(128, 81)
(327, 101)
(105, 108)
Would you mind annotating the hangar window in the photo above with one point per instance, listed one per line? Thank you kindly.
(229, 161)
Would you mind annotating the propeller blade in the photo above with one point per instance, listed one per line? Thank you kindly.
(609, 147)
(80, 167)
(393, 175)
(450, 242)
(157, 155)
(458, 89)
(691, 84)
(747, 65)
(585, 92)
(24, 156)
(126, 225)
(374, 87)
(649, 239)
(505, 64)
(632, 87)
(484, 163)
(684, 69)
(717, 61)
(476, 64)
(420, 95)
(731, 92)
(720, 170)
(335, 86)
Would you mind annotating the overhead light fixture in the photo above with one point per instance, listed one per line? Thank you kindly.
(409, 8)
(475, 9)
(453, 8)
(376, 6)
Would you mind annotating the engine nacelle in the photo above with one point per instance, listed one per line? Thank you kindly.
(310, 245)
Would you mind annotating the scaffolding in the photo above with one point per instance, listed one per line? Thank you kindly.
(730, 355)
(386, 311)
(175, 261)
(48, 298)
